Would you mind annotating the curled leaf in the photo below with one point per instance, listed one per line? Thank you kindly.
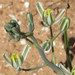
(46, 46)
(65, 24)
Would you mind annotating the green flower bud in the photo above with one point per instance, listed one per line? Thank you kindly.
(19, 59)
(65, 24)
(13, 29)
(16, 59)
(48, 17)
(30, 22)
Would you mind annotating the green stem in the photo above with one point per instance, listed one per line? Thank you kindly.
(53, 57)
(35, 68)
(55, 37)
(54, 67)
(67, 50)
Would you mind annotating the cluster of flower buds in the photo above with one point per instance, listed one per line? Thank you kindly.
(16, 59)
(46, 46)
(47, 15)
(13, 29)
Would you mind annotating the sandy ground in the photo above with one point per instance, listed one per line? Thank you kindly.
(33, 58)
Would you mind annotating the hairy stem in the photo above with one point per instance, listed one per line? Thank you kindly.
(67, 50)
(53, 57)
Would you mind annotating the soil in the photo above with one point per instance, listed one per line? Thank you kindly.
(33, 59)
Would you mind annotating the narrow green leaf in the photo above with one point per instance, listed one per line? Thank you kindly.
(30, 22)
(65, 24)
(7, 59)
(25, 52)
(40, 8)
(60, 16)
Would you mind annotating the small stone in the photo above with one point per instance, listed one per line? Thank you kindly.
(21, 0)
(53, 43)
(45, 29)
(0, 6)
(56, 64)
(34, 73)
(26, 4)
(70, 32)
(19, 22)
(22, 12)
(23, 41)
(40, 69)
(62, 46)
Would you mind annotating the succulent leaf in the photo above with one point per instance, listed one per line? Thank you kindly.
(30, 22)
(40, 8)
(60, 16)
(7, 59)
(25, 52)
(65, 24)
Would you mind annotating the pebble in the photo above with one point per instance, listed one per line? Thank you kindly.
(0, 6)
(53, 43)
(23, 41)
(56, 64)
(26, 4)
(21, 0)
(34, 74)
(70, 32)
(22, 12)
(62, 46)
(19, 22)
(41, 69)
(45, 29)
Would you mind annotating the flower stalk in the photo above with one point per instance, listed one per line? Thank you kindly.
(53, 57)
(67, 50)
